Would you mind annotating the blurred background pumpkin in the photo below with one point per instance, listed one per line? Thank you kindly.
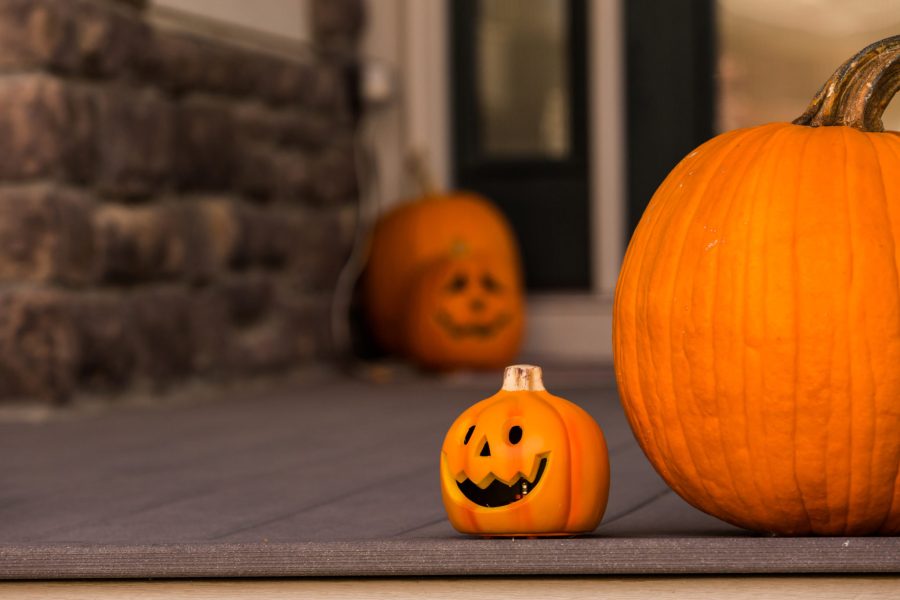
(414, 248)
(465, 312)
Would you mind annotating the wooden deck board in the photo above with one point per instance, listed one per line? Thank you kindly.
(335, 477)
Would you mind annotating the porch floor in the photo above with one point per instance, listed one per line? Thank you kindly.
(332, 476)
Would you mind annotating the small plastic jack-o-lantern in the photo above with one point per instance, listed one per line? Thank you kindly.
(524, 463)
(465, 312)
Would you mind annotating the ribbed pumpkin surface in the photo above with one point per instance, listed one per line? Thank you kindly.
(757, 329)
(566, 497)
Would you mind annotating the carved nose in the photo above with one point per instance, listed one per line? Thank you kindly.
(485, 450)
(477, 305)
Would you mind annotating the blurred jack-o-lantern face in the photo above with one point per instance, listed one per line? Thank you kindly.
(465, 312)
(524, 462)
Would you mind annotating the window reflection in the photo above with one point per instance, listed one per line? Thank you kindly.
(522, 78)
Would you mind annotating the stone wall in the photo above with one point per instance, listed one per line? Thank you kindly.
(169, 206)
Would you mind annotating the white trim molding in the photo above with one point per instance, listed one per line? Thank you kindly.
(575, 327)
(607, 118)
(427, 89)
(280, 28)
(579, 326)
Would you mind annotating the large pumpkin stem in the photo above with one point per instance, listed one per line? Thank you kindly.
(859, 91)
(523, 378)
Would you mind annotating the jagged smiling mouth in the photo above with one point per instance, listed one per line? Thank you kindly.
(498, 493)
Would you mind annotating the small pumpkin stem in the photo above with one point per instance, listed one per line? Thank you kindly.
(523, 378)
(859, 91)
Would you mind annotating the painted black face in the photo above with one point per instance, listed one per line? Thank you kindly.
(476, 330)
(478, 291)
(498, 493)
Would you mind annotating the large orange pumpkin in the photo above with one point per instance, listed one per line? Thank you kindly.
(757, 317)
(417, 233)
(465, 312)
(524, 462)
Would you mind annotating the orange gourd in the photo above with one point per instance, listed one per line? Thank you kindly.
(524, 462)
(465, 312)
(757, 317)
(414, 235)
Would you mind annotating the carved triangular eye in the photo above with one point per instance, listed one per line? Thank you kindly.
(469, 435)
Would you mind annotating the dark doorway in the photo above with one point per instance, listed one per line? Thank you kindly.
(520, 81)
(670, 85)
(543, 185)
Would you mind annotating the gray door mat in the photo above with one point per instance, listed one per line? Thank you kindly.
(337, 477)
